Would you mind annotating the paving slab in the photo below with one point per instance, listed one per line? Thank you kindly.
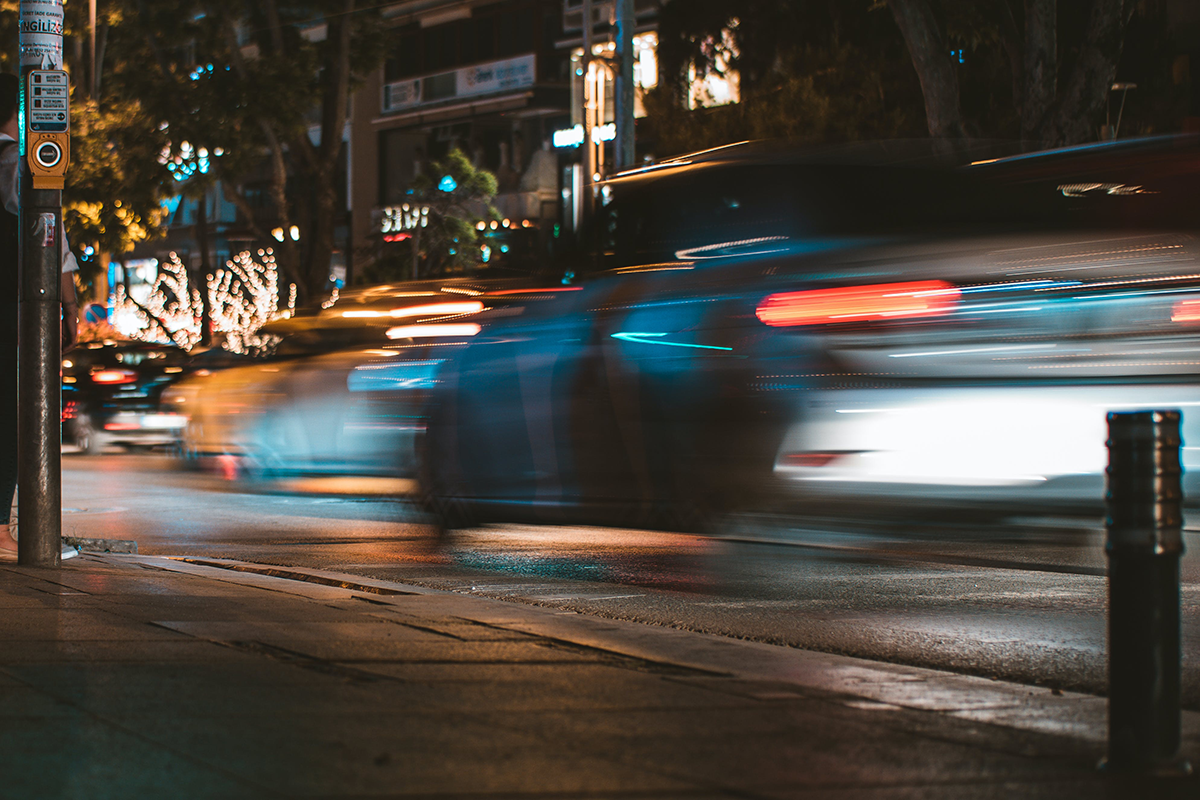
(137, 676)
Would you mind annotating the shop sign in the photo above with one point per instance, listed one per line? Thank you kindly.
(401, 94)
(497, 76)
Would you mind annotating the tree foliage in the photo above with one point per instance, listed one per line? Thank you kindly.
(809, 70)
(449, 241)
(113, 193)
(266, 83)
(114, 187)
(822, 70)
(1062, 60)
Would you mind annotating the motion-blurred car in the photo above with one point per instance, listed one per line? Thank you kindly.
(112, 391)
(969, 338)
(341, 390)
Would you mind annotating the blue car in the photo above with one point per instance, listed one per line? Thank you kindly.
(776, 329)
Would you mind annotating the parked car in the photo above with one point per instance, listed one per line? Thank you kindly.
(112, 392)
(968, 339)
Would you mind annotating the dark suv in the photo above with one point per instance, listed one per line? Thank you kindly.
(111, 395)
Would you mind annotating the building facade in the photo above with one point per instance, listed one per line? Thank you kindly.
(500, 80)
(487, 78)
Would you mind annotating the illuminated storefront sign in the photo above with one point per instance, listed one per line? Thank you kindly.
(573, 137)
(398, 220)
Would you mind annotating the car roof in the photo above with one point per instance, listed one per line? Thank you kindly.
(913, 153)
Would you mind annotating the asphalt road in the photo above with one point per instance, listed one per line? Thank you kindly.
(1019, 599)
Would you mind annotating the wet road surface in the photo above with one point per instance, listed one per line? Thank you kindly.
(1019, 599)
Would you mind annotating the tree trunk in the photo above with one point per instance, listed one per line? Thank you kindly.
(101, 49)
(286, 255)
(1040, 64)
(100, 287)
(1076, 116)
(319, 247)
(324, 163)
(1014, 44)
(931, 59)
(201, 280)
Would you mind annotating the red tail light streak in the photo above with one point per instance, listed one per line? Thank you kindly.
(883, 301)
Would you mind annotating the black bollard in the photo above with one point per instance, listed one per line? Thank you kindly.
(1145, 542)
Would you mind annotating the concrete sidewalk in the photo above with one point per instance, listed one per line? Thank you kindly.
(131, 677)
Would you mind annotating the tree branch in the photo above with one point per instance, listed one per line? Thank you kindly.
(155, 46)
(157, 321)
(287, 260)
(337, 84)
(274, 26)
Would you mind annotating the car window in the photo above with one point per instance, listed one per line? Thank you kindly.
(663, 219)
(732, 209)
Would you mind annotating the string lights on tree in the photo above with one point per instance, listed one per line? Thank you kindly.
(243, 296)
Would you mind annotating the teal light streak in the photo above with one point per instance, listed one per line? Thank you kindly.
(651, 338)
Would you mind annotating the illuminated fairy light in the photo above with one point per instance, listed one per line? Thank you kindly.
(243, 296)
(187, 160)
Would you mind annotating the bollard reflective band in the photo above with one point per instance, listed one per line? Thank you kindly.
(1144, 488)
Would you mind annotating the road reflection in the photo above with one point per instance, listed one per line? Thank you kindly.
(665, 561)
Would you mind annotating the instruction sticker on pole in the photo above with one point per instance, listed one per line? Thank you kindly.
(47, 229)
(41, 34)
(48, 107)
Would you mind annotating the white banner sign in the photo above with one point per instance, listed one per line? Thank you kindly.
(41, 34)
(498, 76)
(490, 78)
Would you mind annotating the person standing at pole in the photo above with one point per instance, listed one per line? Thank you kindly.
(9, 267)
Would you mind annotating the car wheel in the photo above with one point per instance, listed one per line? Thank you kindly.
(447, 510)
(84, 434)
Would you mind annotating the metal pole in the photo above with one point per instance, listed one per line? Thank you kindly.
(39, 511)
(39, 357)
(416, 245)
(1120, 113)
(624, 144)
(1145, 542)
(599, 102)
(1123, 88)
(93, 78)
(589, 100)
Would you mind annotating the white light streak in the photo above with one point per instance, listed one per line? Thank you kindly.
(963, 351)
(434, 331)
